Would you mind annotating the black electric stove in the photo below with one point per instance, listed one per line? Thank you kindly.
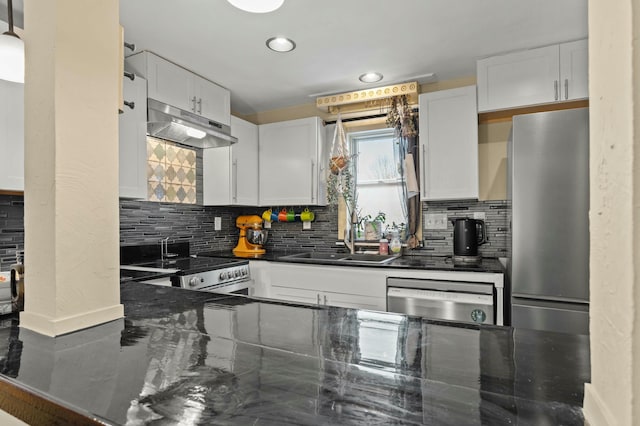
(187, 271)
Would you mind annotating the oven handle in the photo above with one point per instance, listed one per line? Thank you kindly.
(227, 287)
(444, 296)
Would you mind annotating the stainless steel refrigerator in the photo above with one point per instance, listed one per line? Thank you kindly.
(548, 185)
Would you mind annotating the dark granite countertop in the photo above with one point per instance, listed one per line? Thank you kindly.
(412, 260)
(188, 357)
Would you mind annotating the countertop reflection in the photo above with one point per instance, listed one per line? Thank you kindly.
(186, 357)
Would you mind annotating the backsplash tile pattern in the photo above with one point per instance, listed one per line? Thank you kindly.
(144, 222)
(11, 229)
(440, 242)
(171, 172)
(290, 236)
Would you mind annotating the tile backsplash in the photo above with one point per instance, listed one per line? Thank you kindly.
(440, 241)
(144, 222)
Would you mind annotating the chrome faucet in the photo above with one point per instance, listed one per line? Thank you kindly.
(351, 245)
(164, 248)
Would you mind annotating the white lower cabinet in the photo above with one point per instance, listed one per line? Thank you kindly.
(353, 286)
(12, 136)
(347, 287)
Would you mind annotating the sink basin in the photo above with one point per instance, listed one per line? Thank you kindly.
(368, 258)
(341, 258)
(314, 256)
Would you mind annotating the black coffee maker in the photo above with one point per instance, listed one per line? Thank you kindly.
(468, 234)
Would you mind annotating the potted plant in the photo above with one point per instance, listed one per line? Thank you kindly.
(373, 226)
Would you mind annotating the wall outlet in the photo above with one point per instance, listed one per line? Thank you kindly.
(479, 215)
(306, 225)
(217, 223)
(436, 221)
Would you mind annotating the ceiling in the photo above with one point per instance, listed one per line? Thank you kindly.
(338, 40)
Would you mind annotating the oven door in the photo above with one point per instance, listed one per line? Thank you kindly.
(243, 287)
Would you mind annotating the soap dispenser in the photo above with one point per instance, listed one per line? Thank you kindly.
(395, 245)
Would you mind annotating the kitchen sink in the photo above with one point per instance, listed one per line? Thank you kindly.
(369, 258)
(315, 256)
(340, 258)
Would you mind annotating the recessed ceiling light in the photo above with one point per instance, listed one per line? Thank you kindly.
(370, 77)
(281, 44)
(257, 6)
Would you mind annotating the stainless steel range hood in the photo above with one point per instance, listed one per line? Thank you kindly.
(176, 125)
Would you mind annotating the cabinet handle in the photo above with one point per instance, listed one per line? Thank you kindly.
(193, 108)
(555, 88)
(130, 46)
(317, 298)
(325, 299)
(131, 104)
(313, 167)
(199, 105)
(131, 76)
(423, 169)
(235, 181)
(566, 89)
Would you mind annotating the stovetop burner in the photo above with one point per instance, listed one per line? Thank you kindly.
(194, 265)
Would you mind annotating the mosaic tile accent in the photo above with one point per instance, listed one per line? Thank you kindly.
(171, 172)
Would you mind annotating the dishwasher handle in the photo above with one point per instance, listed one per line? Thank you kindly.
(443, 296)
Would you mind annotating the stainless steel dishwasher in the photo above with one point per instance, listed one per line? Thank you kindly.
(447, 300)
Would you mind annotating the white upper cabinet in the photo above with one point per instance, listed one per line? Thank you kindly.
(574, 66)
(292, 165)
(230, 174)
(449, 144)
(244, 163)
(531, 77)
(133, 140)
(12, 136)
(176, 86)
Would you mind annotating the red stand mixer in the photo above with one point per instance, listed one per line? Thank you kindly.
(252, 236)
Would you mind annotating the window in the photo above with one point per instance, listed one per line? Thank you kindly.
(377, 178)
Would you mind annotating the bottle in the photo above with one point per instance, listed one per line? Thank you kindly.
(395, 244)
(384, 246)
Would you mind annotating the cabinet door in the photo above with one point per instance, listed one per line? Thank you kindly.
(216, 176)
(213, 101)
(356, 301)
(12, 136)
(574, 70)
(288, 164)
(133, 140)
(296, 294)
(524, 78)
(170, 83)
(244, 163)
(449, 144)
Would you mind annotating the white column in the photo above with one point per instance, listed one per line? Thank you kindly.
(613, 397)
(71, 165)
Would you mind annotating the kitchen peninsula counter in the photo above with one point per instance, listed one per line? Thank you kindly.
(202, 358)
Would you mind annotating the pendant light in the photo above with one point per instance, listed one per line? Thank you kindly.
(11, 52)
